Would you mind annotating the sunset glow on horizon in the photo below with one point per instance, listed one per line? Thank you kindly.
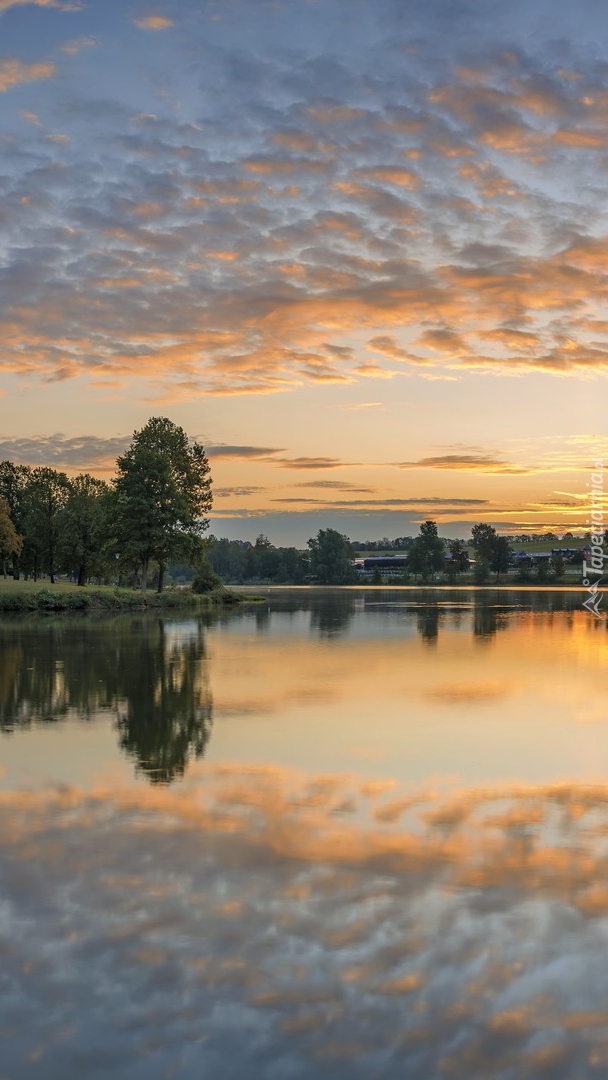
(357, 249)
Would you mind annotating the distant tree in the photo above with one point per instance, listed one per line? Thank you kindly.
(45, 496)
(542, 573)
(331, 558)
(483, 540)
(426, 555)
(481, 571)
(267, 558)
(491, 550)
(557, 567)
(459, 561)
(162, 492)
(10, 541)
(500, 556)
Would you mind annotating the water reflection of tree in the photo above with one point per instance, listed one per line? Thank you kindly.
(427, 619)
(46, 672)
(489, 618)
(331, 614)
(141, 671)
(165, 716)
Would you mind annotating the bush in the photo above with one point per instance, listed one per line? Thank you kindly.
(206, 580)
(481, 572)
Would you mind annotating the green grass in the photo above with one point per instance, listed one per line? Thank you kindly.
(42, 596)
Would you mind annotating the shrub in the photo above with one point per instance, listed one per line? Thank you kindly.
(206, 580)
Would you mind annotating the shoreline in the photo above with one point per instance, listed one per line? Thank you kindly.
(421, 588)
(39, 597)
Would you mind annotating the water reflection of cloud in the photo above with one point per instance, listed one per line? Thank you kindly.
(273, 702)
(469, 693)
(242, 926)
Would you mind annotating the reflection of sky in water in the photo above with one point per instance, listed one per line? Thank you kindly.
(385, 683)
(414, 888)
(484, 692)
(261, 923)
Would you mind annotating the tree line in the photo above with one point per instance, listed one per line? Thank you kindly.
(151, 512)
(330, 558)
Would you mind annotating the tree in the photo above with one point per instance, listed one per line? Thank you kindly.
(162, 491)
(426, 555)
(45, 496)
(483, 541)
(10, 541)
(459, 560)
(331, 558)
(267, 558)
(492, 551)
(557, 567)
(83, 526)
(481, 571)
(13, 485)
(501, 555)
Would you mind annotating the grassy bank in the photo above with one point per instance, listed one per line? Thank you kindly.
(42, 596)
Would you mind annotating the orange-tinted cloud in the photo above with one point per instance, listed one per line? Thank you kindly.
(154, 22)
(14, 71)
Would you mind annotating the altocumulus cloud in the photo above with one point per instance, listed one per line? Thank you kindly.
(59, 451)
(253, 239)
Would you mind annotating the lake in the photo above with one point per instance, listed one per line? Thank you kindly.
(339, 834)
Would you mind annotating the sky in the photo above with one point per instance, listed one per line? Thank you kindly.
(357, 248)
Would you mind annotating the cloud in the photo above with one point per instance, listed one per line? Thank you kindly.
(337, 485)
(83, 452)
(235, 492)
(314, 463)
(60, 5)
(14, 71)
(467, 462)
(154, 22)
(76, 45)
(392, 174)
(433, 501)
(221, 450)
(255, 247)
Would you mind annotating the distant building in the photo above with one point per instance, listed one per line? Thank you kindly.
(381, 562)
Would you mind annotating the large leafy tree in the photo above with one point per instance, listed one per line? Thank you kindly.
(83, 526)
(162, 492)
(45, 496)
(10, 541)
(13, 487)
(331, 558)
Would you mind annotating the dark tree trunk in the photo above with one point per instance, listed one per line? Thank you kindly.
(161, 576)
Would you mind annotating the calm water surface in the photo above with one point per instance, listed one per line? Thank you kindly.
(338, 834)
